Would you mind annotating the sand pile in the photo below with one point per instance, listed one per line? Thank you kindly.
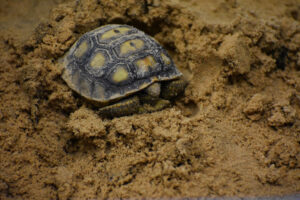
(235, 132)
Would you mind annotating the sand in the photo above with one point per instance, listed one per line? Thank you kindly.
(234, 132)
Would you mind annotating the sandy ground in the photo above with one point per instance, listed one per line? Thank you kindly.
(235, 132)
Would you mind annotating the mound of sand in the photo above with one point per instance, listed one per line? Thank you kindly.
(235, 132)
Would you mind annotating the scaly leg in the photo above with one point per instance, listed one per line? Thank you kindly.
(152, 104)
(173, 88)
(122, 108)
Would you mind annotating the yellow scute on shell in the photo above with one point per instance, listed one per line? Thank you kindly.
(82, 49)
(98, 92)
(120, 74)
(165, 59)
(145, 63)
(131, 46)
(98, 61)
(114, 32)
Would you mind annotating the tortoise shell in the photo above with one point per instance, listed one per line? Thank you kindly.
(114, 61)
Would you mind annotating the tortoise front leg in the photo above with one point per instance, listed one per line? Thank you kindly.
(132, 105)
(122, 108)
(173, 88)
(152, 105)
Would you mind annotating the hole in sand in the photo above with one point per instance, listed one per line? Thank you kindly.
(190, 109)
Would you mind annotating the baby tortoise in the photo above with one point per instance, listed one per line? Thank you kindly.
(123, 69)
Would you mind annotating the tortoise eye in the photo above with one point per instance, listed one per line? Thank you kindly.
(116, 31)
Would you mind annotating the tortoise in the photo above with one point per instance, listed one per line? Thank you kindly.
(123, 69)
